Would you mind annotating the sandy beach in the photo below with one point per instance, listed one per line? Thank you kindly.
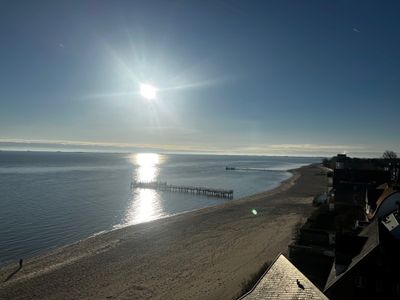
(205, 254)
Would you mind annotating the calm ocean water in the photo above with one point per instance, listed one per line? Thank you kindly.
(50, 199)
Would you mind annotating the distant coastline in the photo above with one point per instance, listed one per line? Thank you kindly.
(94, 151)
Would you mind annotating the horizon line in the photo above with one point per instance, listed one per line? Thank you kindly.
(294, 150)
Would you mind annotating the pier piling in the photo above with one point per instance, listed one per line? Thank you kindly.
(163, 186)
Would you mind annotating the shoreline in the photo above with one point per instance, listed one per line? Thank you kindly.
(245, 198)
(121, 226)
(111, 227)
(196, 252)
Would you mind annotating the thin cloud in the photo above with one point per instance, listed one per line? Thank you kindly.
(261, 149)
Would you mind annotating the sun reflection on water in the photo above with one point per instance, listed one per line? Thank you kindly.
(145, 203)
(147, 166)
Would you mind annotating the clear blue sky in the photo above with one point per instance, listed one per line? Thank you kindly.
(265, 77)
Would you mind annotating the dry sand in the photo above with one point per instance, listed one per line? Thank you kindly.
(206, 254)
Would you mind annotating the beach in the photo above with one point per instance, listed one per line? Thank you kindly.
(205, 254)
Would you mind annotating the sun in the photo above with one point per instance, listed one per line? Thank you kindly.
(148, 91)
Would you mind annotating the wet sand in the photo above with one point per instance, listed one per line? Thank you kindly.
(205, 254)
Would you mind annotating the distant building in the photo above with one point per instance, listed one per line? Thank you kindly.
(359, 177)
(341, 161)
(350, 247)
(355, 192)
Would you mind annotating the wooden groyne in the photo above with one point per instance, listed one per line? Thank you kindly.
(163, 186)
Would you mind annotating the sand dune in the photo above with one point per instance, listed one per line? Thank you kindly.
(206, 254)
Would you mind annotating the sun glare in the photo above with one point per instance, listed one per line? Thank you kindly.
(148, 91)
(147, 166)
(145, 203)
(147, 159)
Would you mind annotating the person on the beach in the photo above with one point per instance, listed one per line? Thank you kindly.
(20, 263)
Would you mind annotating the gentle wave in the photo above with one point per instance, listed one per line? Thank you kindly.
(33, 170)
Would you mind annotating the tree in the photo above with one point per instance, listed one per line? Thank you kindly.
(389, 155)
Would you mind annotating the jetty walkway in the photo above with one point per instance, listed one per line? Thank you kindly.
(250, 169)
(163, 186)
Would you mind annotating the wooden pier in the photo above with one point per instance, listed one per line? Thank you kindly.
(250, 169)
(163, 186)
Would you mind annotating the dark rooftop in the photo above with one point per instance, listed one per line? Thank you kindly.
(371, 232)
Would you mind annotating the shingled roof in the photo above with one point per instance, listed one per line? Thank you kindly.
(283, 281)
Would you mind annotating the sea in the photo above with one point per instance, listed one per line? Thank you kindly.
(51, 199)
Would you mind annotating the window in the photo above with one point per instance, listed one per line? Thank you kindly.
(361, 282)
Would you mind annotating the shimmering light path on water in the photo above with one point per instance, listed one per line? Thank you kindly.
(146, 203)
(53, 199)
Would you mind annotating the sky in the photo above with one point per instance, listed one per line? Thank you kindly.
(235, 77)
